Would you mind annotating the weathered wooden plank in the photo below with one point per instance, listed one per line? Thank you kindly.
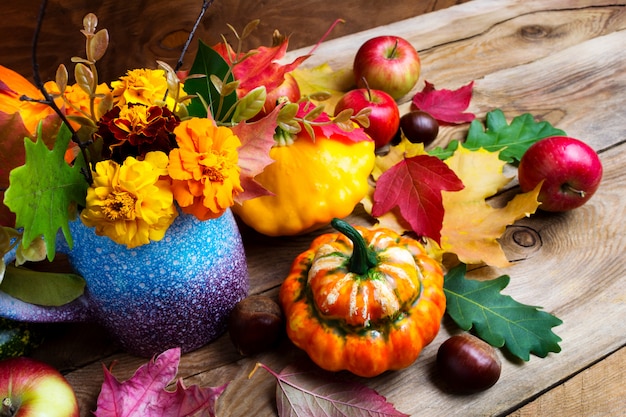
(597, 391)
(143, 31)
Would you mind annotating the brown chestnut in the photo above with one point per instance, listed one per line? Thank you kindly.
(255, 324)
(467, 364)
(419, 127)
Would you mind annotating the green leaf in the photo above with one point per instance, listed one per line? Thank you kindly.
(445, 153)
(513, 139)
(42, 288)
(43, 191)
(208, 62)
(250, 105)
(499, 319)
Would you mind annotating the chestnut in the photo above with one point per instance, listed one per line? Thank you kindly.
(419, 127)
(255, 324)
(467, 364)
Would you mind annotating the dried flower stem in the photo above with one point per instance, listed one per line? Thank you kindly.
(48, 100)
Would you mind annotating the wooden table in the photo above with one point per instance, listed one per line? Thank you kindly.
(561, 60)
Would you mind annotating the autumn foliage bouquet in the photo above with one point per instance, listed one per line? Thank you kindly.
(133, 154)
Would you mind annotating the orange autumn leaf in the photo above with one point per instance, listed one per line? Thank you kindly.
(471, 226)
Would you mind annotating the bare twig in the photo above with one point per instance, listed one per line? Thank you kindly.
(48, 100)
(205, 5)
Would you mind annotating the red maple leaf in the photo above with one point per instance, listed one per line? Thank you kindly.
(447, 106)
(261, 68)
(414, 185)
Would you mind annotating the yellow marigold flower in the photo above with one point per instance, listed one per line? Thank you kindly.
(141, 86)
(129, 203)
(204, 170)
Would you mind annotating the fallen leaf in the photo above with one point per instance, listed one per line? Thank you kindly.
(412, 185)
(144, 395)
(471, 226)
(512, 140)
(498, 319)
(309, 392)
(447, 106)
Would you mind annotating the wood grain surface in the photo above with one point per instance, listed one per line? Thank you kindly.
(561, 60)
(143, 31)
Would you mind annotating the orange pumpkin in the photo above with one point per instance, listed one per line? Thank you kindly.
(363, 300)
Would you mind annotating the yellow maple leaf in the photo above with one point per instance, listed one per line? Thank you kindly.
(471, 226)
(323, 79)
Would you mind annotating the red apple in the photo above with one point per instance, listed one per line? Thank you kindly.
(30, 387)
(571, 171)
(384, 118)
(388, 63)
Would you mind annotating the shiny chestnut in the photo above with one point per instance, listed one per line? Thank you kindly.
(467, 364)
(419, 127)
(255, 324)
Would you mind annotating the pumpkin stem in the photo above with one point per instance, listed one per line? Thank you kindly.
(363, 258)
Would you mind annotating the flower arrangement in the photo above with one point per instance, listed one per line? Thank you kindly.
(129, 156)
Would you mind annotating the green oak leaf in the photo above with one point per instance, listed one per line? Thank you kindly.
(445, 153)
(43, 191)
(42, 288)
(511, 139)
(498, 319)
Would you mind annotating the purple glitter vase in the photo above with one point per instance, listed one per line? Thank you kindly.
(177, 292)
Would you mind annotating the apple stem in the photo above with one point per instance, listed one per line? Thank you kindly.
(7, 409)
(393, 51)
(367, 87)
(568, 187)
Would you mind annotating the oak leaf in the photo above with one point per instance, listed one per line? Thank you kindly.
(498, 319)
(144, 395)
(447, 106)
(512, 140)
(471, 226)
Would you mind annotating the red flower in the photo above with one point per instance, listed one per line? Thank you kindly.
(135, 129)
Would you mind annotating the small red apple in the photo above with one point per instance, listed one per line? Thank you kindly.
(571, 171)
(29, 387)
(384, 118)
(388, 63)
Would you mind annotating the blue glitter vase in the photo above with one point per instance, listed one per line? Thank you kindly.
(177, 292)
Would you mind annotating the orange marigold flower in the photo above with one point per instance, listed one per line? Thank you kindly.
(204, 170)
(130, 203)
